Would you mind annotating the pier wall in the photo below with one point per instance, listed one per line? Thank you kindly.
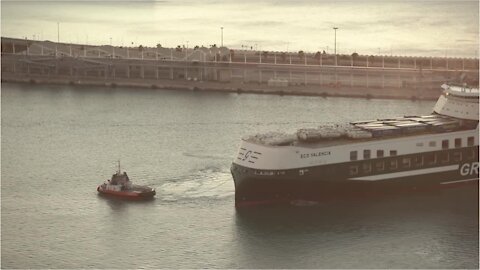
(221, 69)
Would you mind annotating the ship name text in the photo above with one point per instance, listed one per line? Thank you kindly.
(315, 154)
(469, 169)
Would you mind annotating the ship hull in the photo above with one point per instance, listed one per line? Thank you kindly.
(335, 181)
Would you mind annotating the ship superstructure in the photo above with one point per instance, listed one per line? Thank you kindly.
(379, 156)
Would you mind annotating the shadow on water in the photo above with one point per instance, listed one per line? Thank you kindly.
(429, 228)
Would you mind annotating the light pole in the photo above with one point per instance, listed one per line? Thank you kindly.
(222, 36)
(335, 44)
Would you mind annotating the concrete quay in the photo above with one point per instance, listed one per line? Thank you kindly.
(221, 69)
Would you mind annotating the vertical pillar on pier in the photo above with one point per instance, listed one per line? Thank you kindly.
(98, 53)
(105, 72)
(351, 61)
(41, 50)
(320, 79)
(260, 76)
(463, 64)
(399, 82)
(351, 79)
(70, 50)
(305, 58)
(84, 52)
(13, 47)
(431, 63)
(367, 61)
(290, 76)
(290, 59)
(383, 61)
(274, 74)
(305, 78)
(156, 72)
(415, 63)
(128, 54)
(171, 73)
(260, 57)
(446, 59)
(113, 52)
(321, 57)
(114, 71)
(142, 72)
(275, 57)
(244, 58)
(244, 75)
(398, 62)
(128, 71)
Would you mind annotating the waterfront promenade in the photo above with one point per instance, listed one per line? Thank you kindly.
(223, 69)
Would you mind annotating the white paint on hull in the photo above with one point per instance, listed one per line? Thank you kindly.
(386, 176)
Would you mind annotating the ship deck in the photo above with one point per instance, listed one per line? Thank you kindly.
(380, 129)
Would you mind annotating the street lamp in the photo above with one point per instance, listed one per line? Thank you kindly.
(335, 50)
(222, 36)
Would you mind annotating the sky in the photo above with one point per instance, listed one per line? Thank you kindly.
(388, 27)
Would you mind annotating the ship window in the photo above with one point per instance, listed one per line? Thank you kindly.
(393, 164)
(470, 141)
(445, 144)
(458, 142)
(393, 153)
(406, 162)
(380, 166)
(367, 167)
(418, 161)
(353, 155)
(353, 170)
(379, 153)
(419, 144)
(457, 156)
(431, 158)
(366, 154)
(432, 144)
(471, 154)
(445, 157)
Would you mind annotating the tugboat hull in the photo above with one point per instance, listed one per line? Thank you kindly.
(129, 194)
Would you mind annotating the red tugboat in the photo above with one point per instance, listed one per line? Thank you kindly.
(121, 186)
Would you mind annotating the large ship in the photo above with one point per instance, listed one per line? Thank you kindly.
(383, 156)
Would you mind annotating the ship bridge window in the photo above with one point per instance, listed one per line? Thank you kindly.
(470, 141)
(379, 153)
(445, 144)
(353, 155)
(393, 153)
(366, 154)
(458, 142)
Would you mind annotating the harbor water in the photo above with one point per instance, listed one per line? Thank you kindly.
(60, 142)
